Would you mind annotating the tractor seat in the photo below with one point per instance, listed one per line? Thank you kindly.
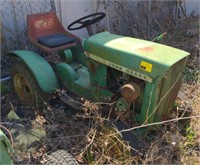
(46, 31)
(55, 40)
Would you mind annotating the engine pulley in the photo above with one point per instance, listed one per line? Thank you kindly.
(130, 92)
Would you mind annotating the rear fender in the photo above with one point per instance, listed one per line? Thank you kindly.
(42, 71)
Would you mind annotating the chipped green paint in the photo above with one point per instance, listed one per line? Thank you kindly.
(129, 52)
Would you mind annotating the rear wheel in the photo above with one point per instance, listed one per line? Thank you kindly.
(60, 157)
(25, 85)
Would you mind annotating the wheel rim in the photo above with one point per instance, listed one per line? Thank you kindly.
(23, 88)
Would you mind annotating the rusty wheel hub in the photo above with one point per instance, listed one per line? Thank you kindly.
(23, 88)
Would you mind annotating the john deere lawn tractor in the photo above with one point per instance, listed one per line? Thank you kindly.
(140, 76)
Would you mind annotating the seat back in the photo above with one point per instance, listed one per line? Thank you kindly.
(47, 24)
(43, 24)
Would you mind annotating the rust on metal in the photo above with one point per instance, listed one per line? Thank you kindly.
(146, 49)
(23, 88)
(130, 91)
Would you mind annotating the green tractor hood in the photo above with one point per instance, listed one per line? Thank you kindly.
(143, 59)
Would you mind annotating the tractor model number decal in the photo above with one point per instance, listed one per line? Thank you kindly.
(146, 66)
(119, 67)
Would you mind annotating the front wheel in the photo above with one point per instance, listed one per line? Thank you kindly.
(60, 157)
(25, 85)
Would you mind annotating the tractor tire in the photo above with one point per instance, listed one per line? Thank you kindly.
(25, 85)
(60, 157)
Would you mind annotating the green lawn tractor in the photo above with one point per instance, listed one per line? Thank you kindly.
(139, 76)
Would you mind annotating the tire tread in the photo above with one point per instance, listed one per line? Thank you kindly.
(60, 157)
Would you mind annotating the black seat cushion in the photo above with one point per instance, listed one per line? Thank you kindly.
(55, 40)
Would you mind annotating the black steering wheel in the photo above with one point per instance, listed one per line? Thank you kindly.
(86, 21)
